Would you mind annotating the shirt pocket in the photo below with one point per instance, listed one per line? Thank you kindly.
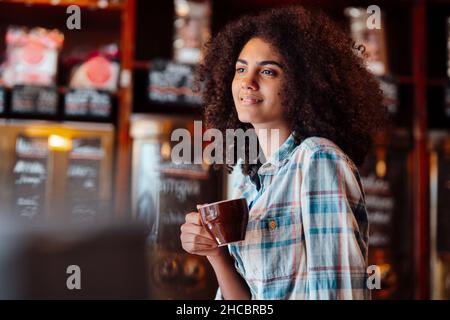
(272, 247)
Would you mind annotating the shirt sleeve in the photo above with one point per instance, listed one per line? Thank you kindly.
(335, 224)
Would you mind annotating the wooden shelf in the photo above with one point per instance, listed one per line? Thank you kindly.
(85, 4)
(114, 23)
(63, 90)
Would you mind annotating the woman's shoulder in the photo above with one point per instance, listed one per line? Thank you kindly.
(314, 148)
(321, 159)
(313, 144)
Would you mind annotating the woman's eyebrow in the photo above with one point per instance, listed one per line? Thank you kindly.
(262, 63)
(266, 62)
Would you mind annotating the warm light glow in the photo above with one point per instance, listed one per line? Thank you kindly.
(165, 150)
(354, 12)
(102, 4)
(59, 143)
(182, 8)
(380, 168)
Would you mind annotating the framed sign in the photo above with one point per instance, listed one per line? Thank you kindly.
(88, 103)
(83, 179)
(172, 83)
(34, 100)
(30, 176)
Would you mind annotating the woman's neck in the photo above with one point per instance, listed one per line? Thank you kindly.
(271, 138)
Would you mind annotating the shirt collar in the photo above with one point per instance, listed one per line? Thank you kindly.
(280, 157)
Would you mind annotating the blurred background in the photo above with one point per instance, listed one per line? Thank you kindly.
(89, 97)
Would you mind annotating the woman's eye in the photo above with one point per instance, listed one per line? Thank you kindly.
(239, 70)
(268, 72)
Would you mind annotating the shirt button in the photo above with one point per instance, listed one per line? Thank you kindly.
(272, 225)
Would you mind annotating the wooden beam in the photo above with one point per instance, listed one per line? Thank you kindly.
(420, 156)
(123, 140)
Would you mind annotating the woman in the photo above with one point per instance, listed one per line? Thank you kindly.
(294, 71)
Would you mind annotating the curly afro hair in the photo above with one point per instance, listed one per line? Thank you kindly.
(328, 91)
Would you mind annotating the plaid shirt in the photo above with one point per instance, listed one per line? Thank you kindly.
(307, 236)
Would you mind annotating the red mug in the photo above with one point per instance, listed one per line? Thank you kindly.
(225, 220)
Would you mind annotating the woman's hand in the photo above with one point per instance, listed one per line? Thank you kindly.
(196, 239)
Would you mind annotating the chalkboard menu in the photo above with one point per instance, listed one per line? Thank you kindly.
(2, 100)
(380, 205)
(178, 196)
(34, 100)
(386, 182)
(30, 175)
(172, 83)
(443, 225)
(85, 103)
(165, 193)
(83, 179)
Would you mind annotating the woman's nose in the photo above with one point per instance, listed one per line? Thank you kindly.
(249, 83)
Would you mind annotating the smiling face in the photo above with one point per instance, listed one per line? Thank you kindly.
(257, 85)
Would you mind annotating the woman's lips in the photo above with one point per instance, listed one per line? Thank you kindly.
(250, 100)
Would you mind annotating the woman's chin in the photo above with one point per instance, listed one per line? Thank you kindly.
(244, 118)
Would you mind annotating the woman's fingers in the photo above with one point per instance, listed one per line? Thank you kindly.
(195, 229)
(205, 252)
(197, 245)
(194, 218)
(196, 237)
